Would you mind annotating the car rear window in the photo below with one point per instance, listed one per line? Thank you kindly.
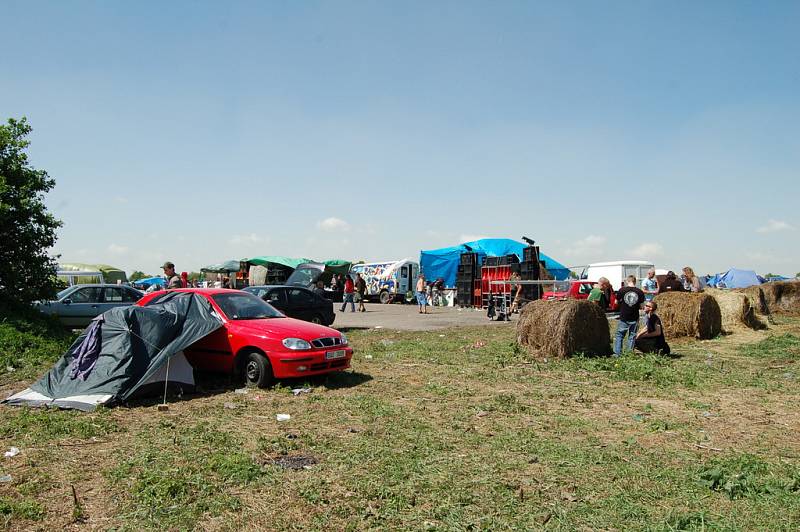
(245, 306)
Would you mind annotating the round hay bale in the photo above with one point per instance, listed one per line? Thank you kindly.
(560, 329)
(736, 309)
(689, 314)
(757, 298)
(782, 296)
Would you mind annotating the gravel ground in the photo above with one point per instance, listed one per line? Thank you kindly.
(407, 318)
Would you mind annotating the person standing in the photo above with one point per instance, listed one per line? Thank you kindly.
(650, 285)
(630, 300)
(516, 293)
(361, 290)
(671, 284)
(173, 280)
(349, 294)
(319, 289)
(651, 338)
(422, 296)
(598, 296)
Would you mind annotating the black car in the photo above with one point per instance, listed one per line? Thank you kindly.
(297, 302)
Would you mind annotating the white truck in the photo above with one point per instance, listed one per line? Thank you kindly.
(388, 280)
(617, 271)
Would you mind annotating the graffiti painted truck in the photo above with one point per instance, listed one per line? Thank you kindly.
(389, 280)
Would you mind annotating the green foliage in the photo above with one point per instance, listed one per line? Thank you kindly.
(26, 270)
(32, 426)
(176, 477)
(746, 476)
(775, 346)
(29, 341)
(24, 509)
(136, 275)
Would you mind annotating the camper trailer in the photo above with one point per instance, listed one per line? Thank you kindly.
(389, 280)
(617, 271)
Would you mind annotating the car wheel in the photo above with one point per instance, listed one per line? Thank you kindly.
(317, 318)
(257, 370)
(385, 297)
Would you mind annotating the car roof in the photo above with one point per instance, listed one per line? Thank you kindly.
(271, 286)
(100, 285)
(206, 291)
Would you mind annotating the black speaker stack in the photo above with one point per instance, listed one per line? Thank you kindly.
(530, 269)
(468, 271)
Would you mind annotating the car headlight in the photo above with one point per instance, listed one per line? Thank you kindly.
(344, 339)
(296, 344)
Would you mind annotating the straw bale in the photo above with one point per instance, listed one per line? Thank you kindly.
(690, 314)
(782, 296)
(563, 328)
(757, 298)
(736, 309)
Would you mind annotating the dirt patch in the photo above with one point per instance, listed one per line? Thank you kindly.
(294, 462)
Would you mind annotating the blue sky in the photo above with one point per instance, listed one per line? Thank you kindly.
(199, 132)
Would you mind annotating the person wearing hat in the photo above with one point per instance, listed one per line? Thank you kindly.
(173, 281)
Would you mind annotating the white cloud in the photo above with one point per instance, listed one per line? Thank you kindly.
(121, 199)
(333, 224)
(248, 239)
(647, 250)
(117, 249)
(470, 238)
(773, 226)
(589, 246)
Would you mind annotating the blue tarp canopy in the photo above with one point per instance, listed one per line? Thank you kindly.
(443, 262)
(150, 281)
(734, 278)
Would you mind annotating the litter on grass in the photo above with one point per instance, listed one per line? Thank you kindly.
(12, 452)
(283, 417)
(240, 390)
(298, 391)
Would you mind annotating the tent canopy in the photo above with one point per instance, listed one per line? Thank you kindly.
(734, 278)
(123, 351)
(223, 267)
(151, 281)
(111, 274)
(444, 262)
(266, 260)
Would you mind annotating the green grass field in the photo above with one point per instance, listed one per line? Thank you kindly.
(443, 430)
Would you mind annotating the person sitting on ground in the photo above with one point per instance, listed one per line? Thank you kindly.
(671, 284)
(422, 296)
(630, 300)
(650, 285)
(598, 296)
(692, 281)
(651, 338)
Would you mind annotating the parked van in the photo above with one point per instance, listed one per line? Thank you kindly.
(617, 271)
(389, 280)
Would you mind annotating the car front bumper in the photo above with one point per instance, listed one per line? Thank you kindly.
(303, 363)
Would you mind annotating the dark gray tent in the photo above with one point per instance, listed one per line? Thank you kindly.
(126, 350)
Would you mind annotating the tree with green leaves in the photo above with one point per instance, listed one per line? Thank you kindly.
(136, 275)
(27, 230)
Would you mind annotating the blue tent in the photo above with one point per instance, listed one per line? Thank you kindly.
(150, 281)
(734, 278)
(443, 262)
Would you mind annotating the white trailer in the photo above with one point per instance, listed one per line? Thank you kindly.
(617, 271)
(388, 280)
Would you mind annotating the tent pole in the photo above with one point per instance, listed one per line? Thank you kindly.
(163, 405)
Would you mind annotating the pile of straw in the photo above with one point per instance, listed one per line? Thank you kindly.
(736, 309)
(757, 298)
(560, 329)
(689, 314)
(782, 296)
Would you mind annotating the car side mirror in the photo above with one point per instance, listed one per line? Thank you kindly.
(67, 301)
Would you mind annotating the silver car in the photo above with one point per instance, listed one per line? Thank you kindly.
(77, 305)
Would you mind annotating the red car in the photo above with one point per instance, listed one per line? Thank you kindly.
(258, 341)
(575, 290)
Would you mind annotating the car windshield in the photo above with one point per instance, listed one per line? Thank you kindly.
(243, 306)
(63, 292)
(304, 276)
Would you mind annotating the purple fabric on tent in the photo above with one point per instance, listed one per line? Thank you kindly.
(87, 353)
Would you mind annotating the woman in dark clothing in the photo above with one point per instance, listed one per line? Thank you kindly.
(651, 338)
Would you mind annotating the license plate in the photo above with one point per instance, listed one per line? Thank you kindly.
(331, 355)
